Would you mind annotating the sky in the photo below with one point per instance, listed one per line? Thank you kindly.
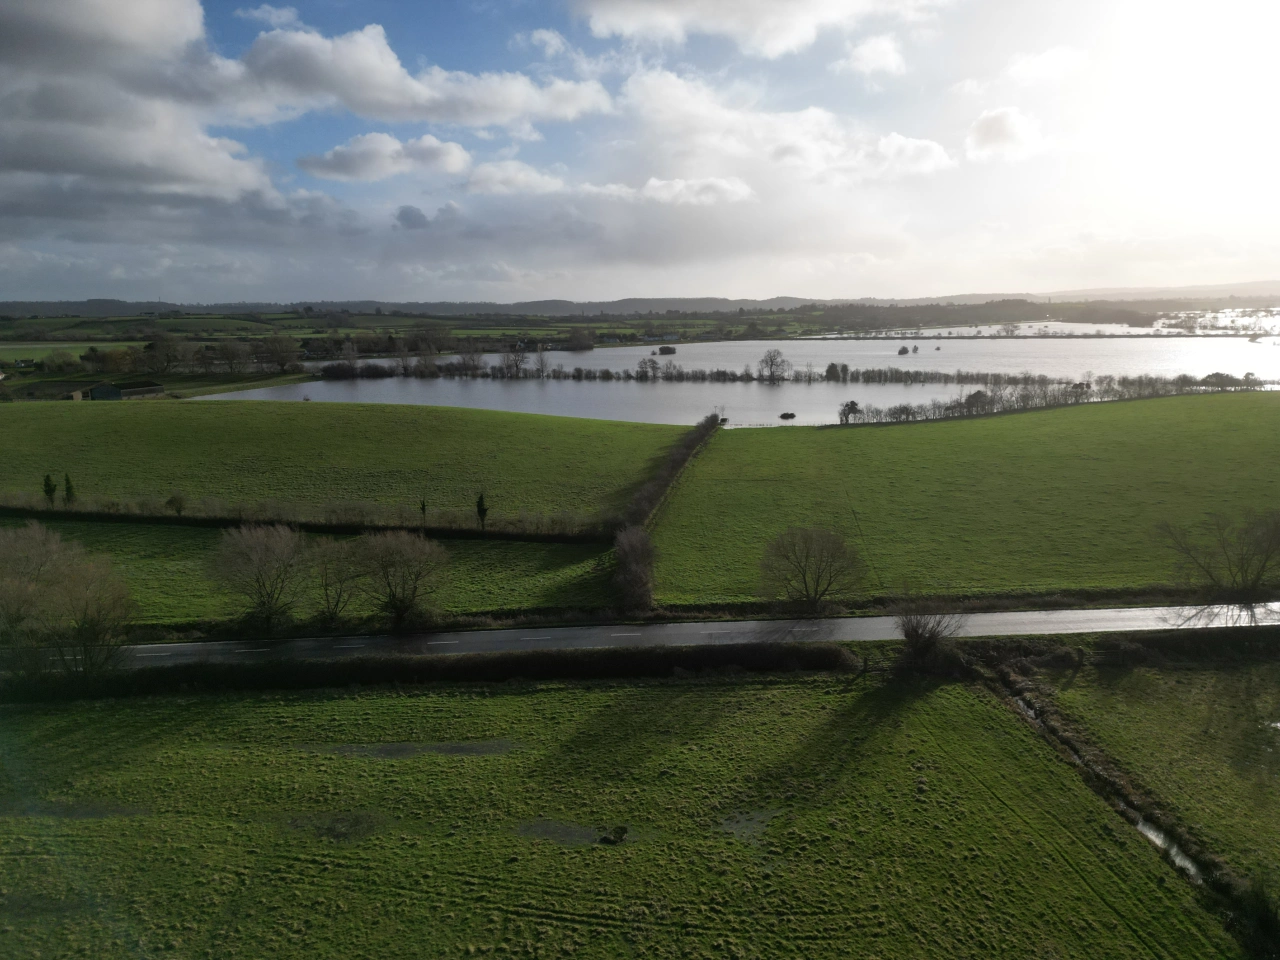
(506, 150)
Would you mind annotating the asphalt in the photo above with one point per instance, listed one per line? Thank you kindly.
(1012, 623)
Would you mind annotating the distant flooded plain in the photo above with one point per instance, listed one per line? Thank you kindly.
(756, 404)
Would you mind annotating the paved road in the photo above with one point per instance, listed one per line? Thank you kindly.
(1013, 623)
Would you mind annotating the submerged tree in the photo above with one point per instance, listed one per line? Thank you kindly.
(773, 368)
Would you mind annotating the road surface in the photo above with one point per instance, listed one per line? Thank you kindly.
(1011, 623)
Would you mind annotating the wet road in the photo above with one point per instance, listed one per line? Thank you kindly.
(1010, 623)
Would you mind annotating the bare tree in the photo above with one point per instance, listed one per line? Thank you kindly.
(634, 573)
(29, 559)
(338, 574)
(773, 368)
(264, 565)
(513, 362)
(809, 565)
(927, 630)
(86, 616)
(280, 350)
(471, 357)
(402, 571)
(1230, 561)
(848, 410)
(541, 363)
(233, 355)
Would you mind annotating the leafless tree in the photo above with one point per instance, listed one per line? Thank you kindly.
(1234, 562)
(29, 559)
(513, 362)
(809, 565)
(471, 357)
(773, 368)
(541, 363)
(337, 569)
(924, 625)
(85, 618)
(264, 565)
(234, 355)
(634, 573)
(280, 350)
(402, 571)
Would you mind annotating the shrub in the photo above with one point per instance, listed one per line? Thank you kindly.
(634, 574)
(927, 632)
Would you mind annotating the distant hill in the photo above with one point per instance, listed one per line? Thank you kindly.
(1144, 298)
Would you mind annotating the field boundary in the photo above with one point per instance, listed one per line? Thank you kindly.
(306, 526)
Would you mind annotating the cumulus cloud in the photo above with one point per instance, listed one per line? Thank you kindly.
(875, 55)
(272, 16)
(694, 125)
(550, 42)
(412, 218)
(1005, 133)
(765, 28)
(361, 72)
(1051, 66)
(376, 156)
(505, 177)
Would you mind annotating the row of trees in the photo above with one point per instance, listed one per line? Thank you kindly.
(270, 567)
(169, 354)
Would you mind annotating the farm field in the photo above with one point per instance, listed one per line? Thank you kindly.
(316, 455)
(167, 569)
(1034, 502)
(800, 817)
(1205, 741)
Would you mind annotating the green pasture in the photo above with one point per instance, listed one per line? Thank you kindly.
(38, 350)
(319, 454)
(804, 818)
(1036, 502)
(168, 569)
(1205, 741)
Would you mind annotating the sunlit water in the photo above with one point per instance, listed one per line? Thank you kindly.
(750, 404)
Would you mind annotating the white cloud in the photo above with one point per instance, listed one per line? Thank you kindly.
(550, 41)
(361, 72)
(879, 54)
(1051, 66)
(690, 124)
(700, 192)
(768, 28)
(272, 16)
(505, 177)
(1005, 133)
(376, 156)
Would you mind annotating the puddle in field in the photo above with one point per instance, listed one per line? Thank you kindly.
(348, 827)
(1163, 841)
(565, 834)
(749, 826)
(403, 751)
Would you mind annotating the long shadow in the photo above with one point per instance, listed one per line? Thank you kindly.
(822, 762)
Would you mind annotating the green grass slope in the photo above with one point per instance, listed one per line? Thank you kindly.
(168, 572)
(770, 819)
(1206, 742)
(1049, 500)
(313, 454)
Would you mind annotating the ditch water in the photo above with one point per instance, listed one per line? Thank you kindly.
(756, 404)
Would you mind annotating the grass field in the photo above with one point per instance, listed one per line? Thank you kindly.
(315, 454)
(167, 569)
(1206, 742)
(767, 818)
(1050, 500)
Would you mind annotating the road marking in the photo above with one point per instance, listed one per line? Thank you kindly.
(432, 643)
(255, 650)
(347, 646)
(165, 653)
(804, 629)
(535, 638)
(710, 633)
(624, 634)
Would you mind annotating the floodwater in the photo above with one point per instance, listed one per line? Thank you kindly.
(756, 404)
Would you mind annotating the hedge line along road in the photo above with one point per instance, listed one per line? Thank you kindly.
(841, 629)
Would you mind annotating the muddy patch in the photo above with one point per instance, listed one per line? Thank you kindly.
(749, 826)
(405, 751)
(565, 834)
(338, 827)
